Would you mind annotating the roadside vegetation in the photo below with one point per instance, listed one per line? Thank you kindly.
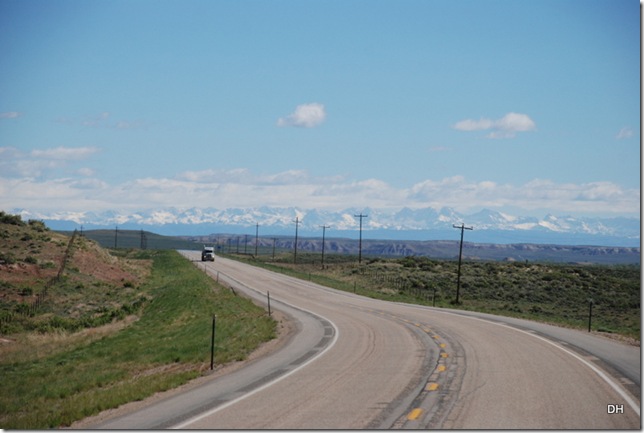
(99, 340)
(552, 293)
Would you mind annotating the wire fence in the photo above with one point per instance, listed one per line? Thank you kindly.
(30, 309)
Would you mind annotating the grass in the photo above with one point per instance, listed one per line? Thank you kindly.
(52, 385)
(545, 292)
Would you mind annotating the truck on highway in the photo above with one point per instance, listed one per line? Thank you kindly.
(208, 254)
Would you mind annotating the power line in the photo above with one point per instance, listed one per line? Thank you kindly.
(360, 243)
(460, 255)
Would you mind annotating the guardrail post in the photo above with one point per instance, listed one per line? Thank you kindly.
(268, 295)
(212, 343)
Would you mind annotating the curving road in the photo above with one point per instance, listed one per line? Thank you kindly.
(362, 363)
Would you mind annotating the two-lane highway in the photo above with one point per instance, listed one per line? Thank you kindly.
(363, 363)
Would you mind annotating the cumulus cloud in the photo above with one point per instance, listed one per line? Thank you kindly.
(241, 188)
(305, 116)
(505, 127)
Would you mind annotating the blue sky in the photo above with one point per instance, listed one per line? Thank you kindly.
(523, 107)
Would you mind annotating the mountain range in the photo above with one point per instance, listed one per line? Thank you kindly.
(417, 224)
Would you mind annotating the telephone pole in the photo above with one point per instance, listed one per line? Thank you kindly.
(360, 243)
(256, 237)
(297, 223)
(144, 240)
(460, 256)
(323, 232)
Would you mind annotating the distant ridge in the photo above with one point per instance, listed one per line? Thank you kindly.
(433, 249)
(439, 249)
(403, 224)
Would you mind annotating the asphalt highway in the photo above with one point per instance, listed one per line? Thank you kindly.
(358, 363)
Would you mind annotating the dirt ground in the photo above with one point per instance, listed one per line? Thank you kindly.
(38, 257)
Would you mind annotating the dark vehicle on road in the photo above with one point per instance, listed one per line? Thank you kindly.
(208, 254)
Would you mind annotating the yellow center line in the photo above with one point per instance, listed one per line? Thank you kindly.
(443, 345)
(444, 355)
(414, 414)
(441, 367)
(431, 386)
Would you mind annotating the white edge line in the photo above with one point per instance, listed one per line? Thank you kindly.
(599, 372)
(266, 385)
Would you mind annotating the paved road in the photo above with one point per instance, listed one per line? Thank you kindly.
(363, 363)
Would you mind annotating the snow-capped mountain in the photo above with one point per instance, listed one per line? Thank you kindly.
(489, 225)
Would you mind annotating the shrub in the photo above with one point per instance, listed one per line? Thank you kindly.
(39, 226)
(15, 220)
(7, 258)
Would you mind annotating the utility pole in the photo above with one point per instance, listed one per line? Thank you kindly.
(144, 240)
(245, 243)
(323, 232)
(116, 235)
(256, 238)
(274, 240)
(360, 243)
(460, 256)
(297, 223)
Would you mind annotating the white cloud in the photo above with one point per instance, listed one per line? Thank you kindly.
(505, 127)
(623, 133)
(240, 188)
(16, 163)
(305, 115)
(87, 172)
(96, 121)
(65, 153)
(10, 115)
(439, 149)
(474, 125)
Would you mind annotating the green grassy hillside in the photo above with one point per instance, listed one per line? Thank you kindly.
(113, 326)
